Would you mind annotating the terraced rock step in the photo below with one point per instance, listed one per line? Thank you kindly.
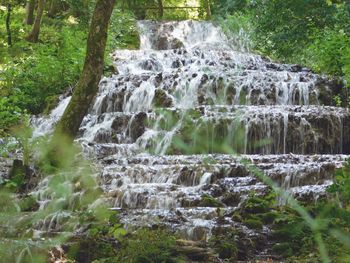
(192, 192)
(279, 129)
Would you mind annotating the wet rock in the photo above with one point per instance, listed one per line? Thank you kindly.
(120, 123)
(165, 43)
(150, 64)
(162, 99)
(296, 68)
(187, 177)
(331, 87)
(5, 167)
(193, 252)
(137, 126)
(209, 201)
(231, 199)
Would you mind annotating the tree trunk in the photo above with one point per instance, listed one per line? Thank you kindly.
(87, 86)
(160, 8)
(8, 25)
(54, 9)
(208, 10)
(34, 34)
(30, 7)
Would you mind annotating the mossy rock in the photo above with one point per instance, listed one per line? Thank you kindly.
(90, 249)
(209, 201)
(282, 234)
(162, 99)
(227, 250)
(268, 217)
(28, 204)
(253, 223)
(283, 249)
(224, 243)
(256, 205)
(237, 217)
(243, 97)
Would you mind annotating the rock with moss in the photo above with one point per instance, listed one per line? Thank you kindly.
(28, 204)
(224, 243)
(253, 223)
(162, 99)
(282, 249)
(209, 201)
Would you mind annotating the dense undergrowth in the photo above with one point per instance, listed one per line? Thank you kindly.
(33, 75)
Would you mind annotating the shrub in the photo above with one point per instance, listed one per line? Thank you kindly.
(48, 70)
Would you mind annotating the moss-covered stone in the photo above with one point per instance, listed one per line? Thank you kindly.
(268, 217)
(90, 249)
(28, 204)
(283, 249)
(209, 201)
(227, 250)
(224, 244)
(237, 217)
(258, 204)
(243, 97)
(253, 223)
(162, 99)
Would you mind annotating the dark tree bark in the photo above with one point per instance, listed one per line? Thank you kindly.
(160, 8)
(54, 8)
(87, 86)
(8, 25)
(34, 34)
(30, 7)
(208, 9)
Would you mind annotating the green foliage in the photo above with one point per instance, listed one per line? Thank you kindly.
(240, 31)
(283, 249)
(149, 246)
(49, 69)
(123, 33)
(284, 28)
(70, 191)
(224, 244)
(82, 9)
(32, 75)
(330, 52)
(314, 33)
(259, 204)
(253, 223)
(291, 228)
(149, 9)
(101, 235)
(229, 6)
(10, 115)
(341, 186)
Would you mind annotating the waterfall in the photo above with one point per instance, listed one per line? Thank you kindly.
(162, 128)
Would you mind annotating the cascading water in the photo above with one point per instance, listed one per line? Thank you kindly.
(188, 78)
